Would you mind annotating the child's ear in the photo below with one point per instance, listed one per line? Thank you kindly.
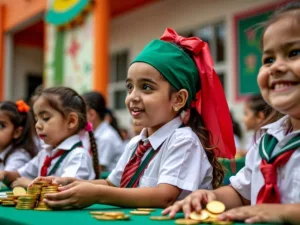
(18, 132)
(260, 117)
(72, 120)
(180, 99)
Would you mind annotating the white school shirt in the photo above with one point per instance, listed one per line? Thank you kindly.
(249, 180)
(16, 160)
(109, 144)
(181, 160)
(78, 163)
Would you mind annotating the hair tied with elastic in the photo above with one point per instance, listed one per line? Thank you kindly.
(22, 106)
(88, 127)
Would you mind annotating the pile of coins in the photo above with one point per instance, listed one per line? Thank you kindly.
(208, 215)
(110, 215)
(32, 199)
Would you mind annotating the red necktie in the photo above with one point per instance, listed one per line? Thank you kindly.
(134, 163)
(47, 162)
(269, 193)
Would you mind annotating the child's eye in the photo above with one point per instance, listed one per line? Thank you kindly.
(147, 87)
(46, 118)
(129, 87)
(295, 52)
(268, 60)
(2, 126)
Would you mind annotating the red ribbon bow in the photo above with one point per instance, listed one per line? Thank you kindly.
(22, 106)
(210, 101)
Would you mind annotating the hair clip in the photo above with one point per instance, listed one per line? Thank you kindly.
(88, 127)
(22, 106)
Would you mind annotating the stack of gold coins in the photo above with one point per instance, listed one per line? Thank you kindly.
(26, 202)
(10, 200)
(109, 215)
(51, 188)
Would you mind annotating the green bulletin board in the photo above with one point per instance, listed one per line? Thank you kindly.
(248, 27)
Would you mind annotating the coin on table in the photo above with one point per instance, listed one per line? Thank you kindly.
(97, 212)
(102, 217)
(136, 212)
(19, 191)
(199, 216)
(186, 221)
(42, 209)
(124, 217)
(223, 222)
(114, 214)
(215, 207)
(146, 209)
(159, 218)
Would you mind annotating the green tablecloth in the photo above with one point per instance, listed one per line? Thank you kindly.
(12, 216)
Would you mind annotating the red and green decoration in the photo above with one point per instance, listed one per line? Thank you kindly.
(65, 14)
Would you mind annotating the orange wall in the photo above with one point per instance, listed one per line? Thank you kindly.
(17, 11)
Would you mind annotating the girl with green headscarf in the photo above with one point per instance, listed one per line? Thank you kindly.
(174, 153)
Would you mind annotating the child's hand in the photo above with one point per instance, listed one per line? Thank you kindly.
(193, 202)
(256, 213)
(21, 182)
(55, 180)
(75, 195)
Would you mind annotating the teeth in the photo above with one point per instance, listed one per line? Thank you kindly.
(281, 86)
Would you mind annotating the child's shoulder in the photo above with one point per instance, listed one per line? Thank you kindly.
(184, 133)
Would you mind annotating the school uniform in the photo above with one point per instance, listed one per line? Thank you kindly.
(15, 160)
(77, 163)
(109, 144)
(180, 161)
(249, 180)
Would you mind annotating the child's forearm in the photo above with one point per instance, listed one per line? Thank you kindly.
(291, 213)
(10, 176)
(230, 197)
(159, 197)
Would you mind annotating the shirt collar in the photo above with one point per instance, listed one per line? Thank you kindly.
(3, 154)
(66, 145)
(101, 127)
(157, 138)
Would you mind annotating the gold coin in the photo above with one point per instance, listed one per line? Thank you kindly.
(102, 217)
(212, 215)
(42, 209)
(223, 222)
(135, 212)
(199, 216)
(114, 214)
(215, 207)
(125, 217)
(146, 209)
(186, 221)
(19, 191)
(210, 220)
(159, 218)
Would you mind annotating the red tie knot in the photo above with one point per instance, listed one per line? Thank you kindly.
(269, 173)
(142, 149)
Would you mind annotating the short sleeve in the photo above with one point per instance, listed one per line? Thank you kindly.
(241, 182)
(16, 160)
(79, 165)
(182, 164)
(31, 169)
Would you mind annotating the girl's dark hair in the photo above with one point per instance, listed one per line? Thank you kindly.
(257, 104)
(197, 125)
(19, 119)
(96, 101)
(281, 12)
(65, 100)
(236, 127)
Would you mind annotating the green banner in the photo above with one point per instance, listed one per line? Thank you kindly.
(249, 30)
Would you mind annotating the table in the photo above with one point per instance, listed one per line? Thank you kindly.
(12, 216)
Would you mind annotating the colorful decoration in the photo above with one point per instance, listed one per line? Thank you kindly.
(65, 14)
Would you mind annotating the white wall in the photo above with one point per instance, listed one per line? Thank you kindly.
(135, 29)
(25, 60)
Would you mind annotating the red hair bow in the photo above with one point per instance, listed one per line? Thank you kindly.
(22, 106)
(210, 101)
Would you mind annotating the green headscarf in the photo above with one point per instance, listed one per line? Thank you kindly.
(173, 63)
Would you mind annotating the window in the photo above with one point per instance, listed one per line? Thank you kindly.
(214, 35)
(118, 74)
